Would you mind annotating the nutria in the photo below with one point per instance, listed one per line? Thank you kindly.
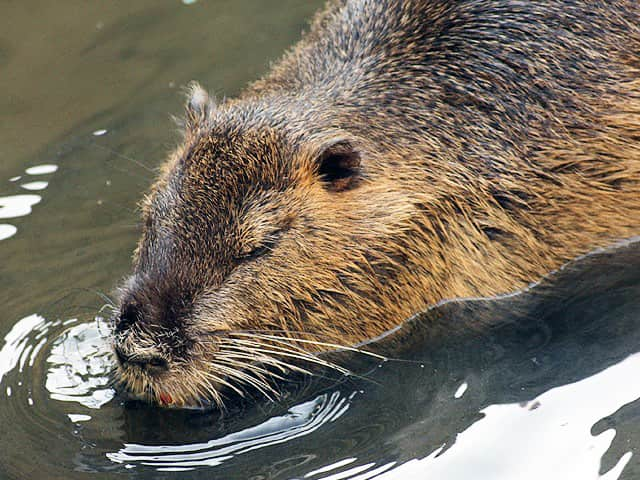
(403, 152)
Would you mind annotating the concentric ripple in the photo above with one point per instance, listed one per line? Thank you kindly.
(79, 367)
(76, 357)
(299, 421)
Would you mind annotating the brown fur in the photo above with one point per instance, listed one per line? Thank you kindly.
(487, 143)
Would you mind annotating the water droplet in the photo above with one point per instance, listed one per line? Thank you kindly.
(99, 133)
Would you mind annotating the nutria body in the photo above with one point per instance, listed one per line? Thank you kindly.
(402, 153)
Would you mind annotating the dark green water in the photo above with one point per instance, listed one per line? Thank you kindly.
(541, 384)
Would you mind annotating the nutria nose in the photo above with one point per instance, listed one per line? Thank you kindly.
(148, 362)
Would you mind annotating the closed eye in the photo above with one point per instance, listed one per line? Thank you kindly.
(267, 244)
(259, 251)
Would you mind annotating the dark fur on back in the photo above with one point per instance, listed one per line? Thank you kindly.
(403, 152)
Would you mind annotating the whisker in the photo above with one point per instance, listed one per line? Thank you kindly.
(314, 342)
(239, 349)
(125, 157)
(301, 355)
(247, 374)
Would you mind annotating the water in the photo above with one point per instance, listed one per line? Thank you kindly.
(540, 384)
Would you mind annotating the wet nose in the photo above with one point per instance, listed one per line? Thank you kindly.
(147, 362)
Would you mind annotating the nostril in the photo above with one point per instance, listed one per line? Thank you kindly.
(158, 363)
(127, 318)
(150, 363)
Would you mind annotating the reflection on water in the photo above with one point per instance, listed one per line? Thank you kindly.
(548, 437)
(7, 231)
(77, 357)
(35, 185)
(15, 206)
(16, 348)
(41, 169)
(80, 362)
(299, 421)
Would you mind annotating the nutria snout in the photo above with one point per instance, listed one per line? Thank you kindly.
(405, 151)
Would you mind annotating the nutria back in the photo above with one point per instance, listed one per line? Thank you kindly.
(403, 152)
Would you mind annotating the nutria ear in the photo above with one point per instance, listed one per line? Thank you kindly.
(338, 164)
(199, 106)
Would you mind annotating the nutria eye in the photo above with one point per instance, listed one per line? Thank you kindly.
(267, 244)
(339, 166)
(258, 251)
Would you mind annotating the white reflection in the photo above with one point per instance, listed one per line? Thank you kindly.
(360, 472)
(78, 417)
(460, 391)
(41, 169)
(7, 231)
(333, 466)
(299, 421)
(16, 346)
(79, 359)
(549, 438)
(35, 185)
(17, 205)
(80, 362)
(99, 133)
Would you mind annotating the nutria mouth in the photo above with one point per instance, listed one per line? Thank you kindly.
(246, 364)
(403, 152)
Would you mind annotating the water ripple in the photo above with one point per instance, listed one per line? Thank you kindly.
(77, 355)
(79, 365)
(299, 421)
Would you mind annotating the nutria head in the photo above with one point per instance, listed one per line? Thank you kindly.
(254, 231)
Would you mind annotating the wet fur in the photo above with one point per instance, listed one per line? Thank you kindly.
(496, 141)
